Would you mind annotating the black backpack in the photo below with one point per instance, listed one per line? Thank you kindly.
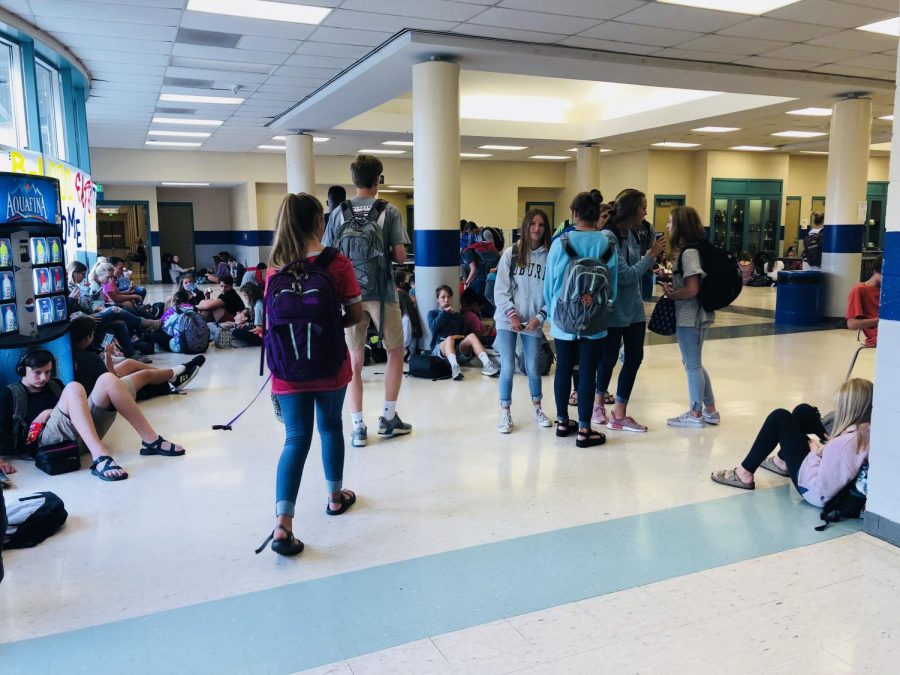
(812, 250)
(32, 519)
(850, 502)
(20, 409)
(546, 357)
(429, 366)
(723, 282)
(499, 239)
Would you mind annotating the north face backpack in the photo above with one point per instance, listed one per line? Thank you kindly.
(583, 306)
(190, 334)
(305, 336)
(812, 250)
(360, 237)
(32, 519)
(723, 281)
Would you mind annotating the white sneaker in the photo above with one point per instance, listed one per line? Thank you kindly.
(491, 369)
(455, 373)
(711, 417)
(505, 425)
(541, 419)
(686, 420)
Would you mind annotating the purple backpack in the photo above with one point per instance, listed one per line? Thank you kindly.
(304, 339)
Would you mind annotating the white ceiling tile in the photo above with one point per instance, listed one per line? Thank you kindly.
(18, 7)
(607, 9)
(642, 35)
(313, 61)
(242, 26)
(119, 29)
(306, 71)
(698, 55)
(779, 64)
(807, 52)
(150, 83)
(268, 44)
(775, 29)
(548, 23)
(507, 33)
(101, 68)
(684, 18)
(875, 61)
(338, 50)
(730, 43)
(424, 9)
(105, 56)
(886, 5)
(348, 36)
(135, 47)
(830, 13)
(854, 71)
(856, 39)
(226, 54)
(282, 81)
(205, 74)
(609, 45)
(75, 9)
(341, 18)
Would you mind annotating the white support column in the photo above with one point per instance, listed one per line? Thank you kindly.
(587, 168)
(301, 169)
(436, 181)
(848, 167)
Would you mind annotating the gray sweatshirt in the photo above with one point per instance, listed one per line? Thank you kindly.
(522, 294)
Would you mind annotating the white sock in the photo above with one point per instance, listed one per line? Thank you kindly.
(453, 362)
(176, 371)
(357, 419)
(485, 359)
(389, 410)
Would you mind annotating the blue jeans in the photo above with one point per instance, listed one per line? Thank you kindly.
(505, 342)
(587, 353)
(114, 313)
(298, 412)
(690, 341)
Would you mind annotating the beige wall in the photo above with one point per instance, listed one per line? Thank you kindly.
(212, 206)
(620, 172)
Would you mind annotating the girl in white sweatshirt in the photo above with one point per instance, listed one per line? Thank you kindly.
(519, 298)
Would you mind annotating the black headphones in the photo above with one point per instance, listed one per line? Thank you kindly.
(29, 355)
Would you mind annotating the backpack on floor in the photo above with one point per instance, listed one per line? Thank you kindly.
(32, 519)
(429, 366)
(850, 502)
(583, 306)
(360, 237)
(305, 336)
(812, 250)
(723, 281)
(190, 334)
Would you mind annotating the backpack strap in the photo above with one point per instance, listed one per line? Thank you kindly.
(55, 389)
(325, 258)
(347, 210)
(20, 407)
(680, 268)
(377, 209)
(567, 247)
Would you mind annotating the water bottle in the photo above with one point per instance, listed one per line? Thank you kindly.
(7, 290)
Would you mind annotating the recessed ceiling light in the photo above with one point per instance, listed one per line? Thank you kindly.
(261, 9)
(474, 155)
(549, 157)
(184, 184)
(675, 144)
(503, 147)
(272, 147)
(811, 112)
(380, 191)
(716, 130)
(755, 7)
(380, 151)
(887, 27)
(183, 144)
(403, 143)
(813, 152)
(190, 98)
(279, 138)
(321, 139)
(752, 148)
(402, 187)
(192, 122)
(800, 134)
(889, 118)
(185, 134)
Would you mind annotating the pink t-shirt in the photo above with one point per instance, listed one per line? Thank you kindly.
(107, 288)
(821, 478)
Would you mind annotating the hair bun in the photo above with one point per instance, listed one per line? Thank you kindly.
(596, 197)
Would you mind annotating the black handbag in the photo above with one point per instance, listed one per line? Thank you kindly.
(58, 458)
(429, 366)
(662, 319)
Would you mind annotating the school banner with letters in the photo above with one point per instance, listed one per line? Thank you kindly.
(78, 196)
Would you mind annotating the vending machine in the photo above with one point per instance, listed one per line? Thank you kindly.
(33, 287)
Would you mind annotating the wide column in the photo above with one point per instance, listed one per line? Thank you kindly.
(848, 168)
(301, 170)
(587, 169)
(436, 181)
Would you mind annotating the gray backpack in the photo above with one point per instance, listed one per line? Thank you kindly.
(190, 334)
(361, 238)
(583, 306)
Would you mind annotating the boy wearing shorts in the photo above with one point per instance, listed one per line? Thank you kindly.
(449, 340)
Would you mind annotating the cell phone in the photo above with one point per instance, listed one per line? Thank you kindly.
(659, 235)
(107, 340)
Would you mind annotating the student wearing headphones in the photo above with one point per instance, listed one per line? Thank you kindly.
(67, 413)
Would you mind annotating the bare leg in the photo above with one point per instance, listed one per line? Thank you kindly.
(472, 342)
(393, 374)
(448, 346)
(74, 404)
(355, 390)
(129, 366)
(144, 377)
(110, 392)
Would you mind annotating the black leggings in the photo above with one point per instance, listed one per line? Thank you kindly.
(587, 352)
(789, 430)
(633, 337)
(159, 337)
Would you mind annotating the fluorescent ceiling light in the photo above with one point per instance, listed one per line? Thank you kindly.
(380, 191)
(800, 134)
(811, 112)
(185, 134)
(883, 147)
(381, 151)
(888, 27)
(190, 98)
(813, 152)
(261, 9)
(716, 130)
(183, 144)
(403, 143)
(184, 184)
(538, 109)
(752, 148)
(402, 187)
(755, 7)
(279, 138)
(192, 122)
(576, 150)
(272, 147)
(549, 157)
(889, 118)
(503, 147)
(675, 144)
(474, 155)
(316, 139)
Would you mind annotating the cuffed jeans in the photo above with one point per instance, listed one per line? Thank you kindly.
(690, 341)
(587, 352)
(506, 344)
(633, 338)
(298, 410)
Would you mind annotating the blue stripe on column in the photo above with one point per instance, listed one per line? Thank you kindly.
(154, 238)
(437, 248)
(843, 238)
(890, 280)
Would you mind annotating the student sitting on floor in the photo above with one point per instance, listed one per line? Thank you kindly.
(448, 339)
(226, 306)
(103, 279)
(818, 471)
(68, 413)
(471, 306)
(248, 323)
(188, 336)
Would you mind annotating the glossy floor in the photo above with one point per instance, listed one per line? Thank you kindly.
(179, 535)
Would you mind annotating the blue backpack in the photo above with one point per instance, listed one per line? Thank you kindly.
(305, 336)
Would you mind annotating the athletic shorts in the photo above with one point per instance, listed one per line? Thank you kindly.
(59, 427)
(461, 358)
(392, 329)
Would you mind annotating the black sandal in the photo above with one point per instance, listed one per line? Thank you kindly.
(589, 439)
(563, 429)
(348, 499)
(288, 546)
(109, 464)
(156, 448)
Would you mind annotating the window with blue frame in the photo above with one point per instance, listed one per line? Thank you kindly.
(12, 98)
(50, 110)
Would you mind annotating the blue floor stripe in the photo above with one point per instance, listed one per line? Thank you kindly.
(311, 623)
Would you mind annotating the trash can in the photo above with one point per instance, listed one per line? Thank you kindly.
(799, 299)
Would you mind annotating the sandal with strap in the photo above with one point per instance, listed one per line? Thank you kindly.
(573, 398)
(563, 429)
(608, 399)
(589, 439)
(156, 448)
(109, 464)
(348, 499)
(730, 478)
(770, 465)
(288, 546)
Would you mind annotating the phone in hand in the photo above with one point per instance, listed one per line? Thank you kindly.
(107, 340)
(659, 235)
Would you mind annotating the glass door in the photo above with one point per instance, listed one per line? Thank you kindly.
(737, 228)
(875, 223)
(719, 232)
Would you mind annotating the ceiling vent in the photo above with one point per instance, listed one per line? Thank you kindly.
(187, 82)
(177, 111)
(207, 38)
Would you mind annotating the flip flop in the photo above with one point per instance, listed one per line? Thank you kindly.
(109, 464)
(156, 448)
(770, 465)
(348, 499)
(730, 478)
